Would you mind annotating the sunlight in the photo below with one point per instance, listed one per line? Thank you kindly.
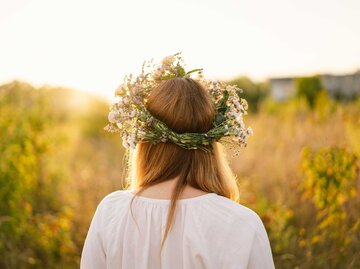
(91, 45)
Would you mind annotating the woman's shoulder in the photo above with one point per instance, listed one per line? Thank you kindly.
(237, 223)
(112, 205)
(113, 199)
(237, 213)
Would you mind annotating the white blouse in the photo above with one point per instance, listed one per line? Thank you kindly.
(210, 231)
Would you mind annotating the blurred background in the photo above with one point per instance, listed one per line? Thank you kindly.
(297, 61)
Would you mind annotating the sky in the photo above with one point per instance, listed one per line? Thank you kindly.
(91, 44)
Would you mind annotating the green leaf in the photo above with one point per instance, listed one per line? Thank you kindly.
(219, 119)
(181, 71)
(167, 77)
(221, 106)
(194, 70)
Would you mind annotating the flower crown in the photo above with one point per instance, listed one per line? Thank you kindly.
(134, 122)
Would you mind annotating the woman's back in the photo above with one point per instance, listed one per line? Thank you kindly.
(173, 126)
(210, 231)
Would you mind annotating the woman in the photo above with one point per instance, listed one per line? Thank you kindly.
(182, 209)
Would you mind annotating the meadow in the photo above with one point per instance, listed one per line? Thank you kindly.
(300, 172)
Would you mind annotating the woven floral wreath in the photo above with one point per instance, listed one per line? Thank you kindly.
(134, 122)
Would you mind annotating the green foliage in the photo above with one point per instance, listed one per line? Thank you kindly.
(324, 107)
(254, 93)
(50, 139)
(57, 163)
(303, 235)
(351, 116)
(330, 182)
(35, 226)
(330, 177)
(287, 110)
(308, 87)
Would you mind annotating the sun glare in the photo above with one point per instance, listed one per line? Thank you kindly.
(91, 45)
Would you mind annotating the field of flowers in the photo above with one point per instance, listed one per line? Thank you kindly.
(300, 172)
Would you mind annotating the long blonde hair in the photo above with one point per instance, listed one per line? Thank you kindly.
(183, 105)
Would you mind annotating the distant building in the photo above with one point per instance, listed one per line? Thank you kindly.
(282, 88)
(343, 86)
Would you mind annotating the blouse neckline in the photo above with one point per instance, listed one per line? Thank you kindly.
(167, 201)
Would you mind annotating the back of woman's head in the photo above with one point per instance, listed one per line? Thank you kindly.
(184, 105)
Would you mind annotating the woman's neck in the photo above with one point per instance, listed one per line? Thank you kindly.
(164, 190)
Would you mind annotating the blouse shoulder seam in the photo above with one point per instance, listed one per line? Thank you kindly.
(106, 198)
(250, 217)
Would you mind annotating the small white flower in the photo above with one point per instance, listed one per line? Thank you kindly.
(112, 116)
(131, 140)
(168, 60)
(125, 144)
(132, 144)
(233, 114)
(125, 99)
(237, 105)
(163, 138)
(137, 100)
(132, 114)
